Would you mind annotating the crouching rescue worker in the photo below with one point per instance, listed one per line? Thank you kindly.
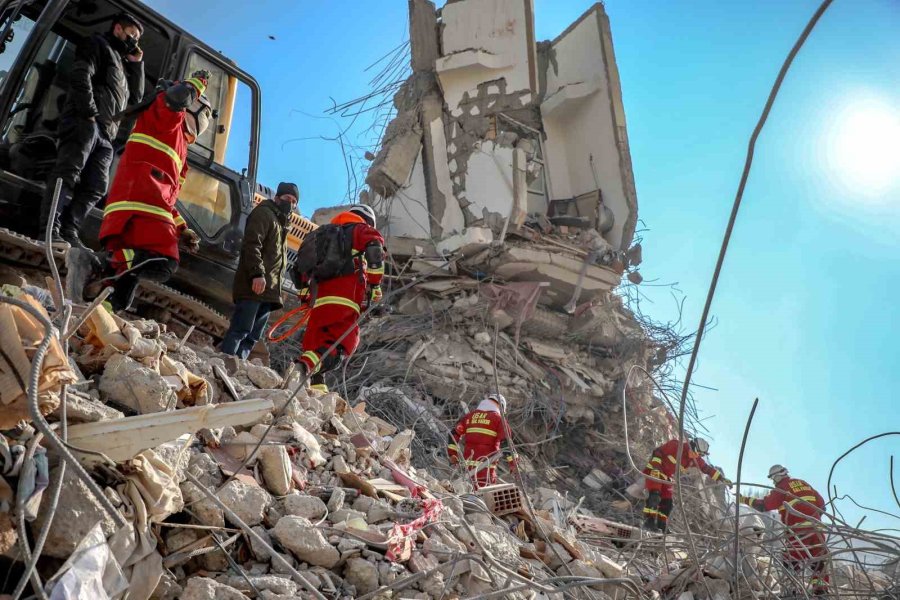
(338, 270)
(481, 432)
(801, 508)
(660, 478)
(141, 227)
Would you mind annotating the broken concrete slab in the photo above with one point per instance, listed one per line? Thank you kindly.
(122, 439)
(78, 511)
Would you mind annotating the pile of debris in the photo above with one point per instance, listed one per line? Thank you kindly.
(189, 474)
(225, 481)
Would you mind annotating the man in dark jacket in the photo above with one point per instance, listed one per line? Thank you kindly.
(260, 272)
(108, 75)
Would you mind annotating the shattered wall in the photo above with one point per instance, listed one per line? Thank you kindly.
(489, 130)
(584, 121)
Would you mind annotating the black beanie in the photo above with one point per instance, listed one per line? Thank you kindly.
(288, 188)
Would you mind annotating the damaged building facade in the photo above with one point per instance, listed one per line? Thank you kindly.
(494, 131)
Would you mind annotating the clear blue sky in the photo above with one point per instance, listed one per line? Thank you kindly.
(807, 302)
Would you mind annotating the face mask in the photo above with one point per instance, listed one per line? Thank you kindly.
(131, 44)
(286, 207)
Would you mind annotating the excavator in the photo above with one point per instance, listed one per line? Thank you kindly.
(37, 48)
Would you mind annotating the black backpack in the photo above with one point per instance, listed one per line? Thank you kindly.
(326, 253)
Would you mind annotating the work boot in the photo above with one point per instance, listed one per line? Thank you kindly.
(70, 235)
(81, 267)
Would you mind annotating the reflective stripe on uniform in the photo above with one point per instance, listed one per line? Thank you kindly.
(336, 300)
(656, 459)
(312, 357)
(663, 516)
(129, 257)
(319, 386)
(810, 499)
(481, 430)
(376, 271)
(179, 221)
(138, 207)
(672, 458)
(143, 138)
(452, 447)
(651, 512)
(717, 475)
(197, 84)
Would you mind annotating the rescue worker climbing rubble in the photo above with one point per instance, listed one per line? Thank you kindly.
(660, 473)
(801, 508)
(141, 227)
(481, 432)
(338, 271)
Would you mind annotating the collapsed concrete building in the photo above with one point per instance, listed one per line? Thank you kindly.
(494, 130)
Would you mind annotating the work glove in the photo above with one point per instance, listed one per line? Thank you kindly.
(304, 295)
(745, 500)
(375, 294)
(191, 240)
(512, 462)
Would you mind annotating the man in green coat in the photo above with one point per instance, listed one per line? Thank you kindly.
(260, 272)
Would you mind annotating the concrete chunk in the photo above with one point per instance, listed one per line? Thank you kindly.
(276, 469)
(203, 588)
(305, 541)
(131, 384)
(362, 575)
(247, 500)
(301, 505)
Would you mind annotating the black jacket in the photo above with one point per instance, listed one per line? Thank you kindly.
(263, 254)
(102, 83)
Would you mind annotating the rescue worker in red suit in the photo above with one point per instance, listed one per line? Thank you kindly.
(141, 227)
(660, 478)
(801, 508)
(481, 432)
(338, 302)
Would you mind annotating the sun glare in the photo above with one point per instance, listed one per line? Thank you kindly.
(864, 148)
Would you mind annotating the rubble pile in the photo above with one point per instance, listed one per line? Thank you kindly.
(209, 478)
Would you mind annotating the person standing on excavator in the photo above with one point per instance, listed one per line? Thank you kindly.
(660, 478)
(801, 509)
(141, 227)
(339, 268)
(481, 432)
(107, 76)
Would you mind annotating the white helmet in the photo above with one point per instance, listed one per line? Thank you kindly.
(365, 211)
(500, 400)
(777, 473)
(700, 446)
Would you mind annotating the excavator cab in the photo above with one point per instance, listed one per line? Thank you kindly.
(38, 39)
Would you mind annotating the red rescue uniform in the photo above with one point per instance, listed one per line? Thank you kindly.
(481, 432)
(140, 210)
(662, 465)
(339, 301)
(804, 539)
